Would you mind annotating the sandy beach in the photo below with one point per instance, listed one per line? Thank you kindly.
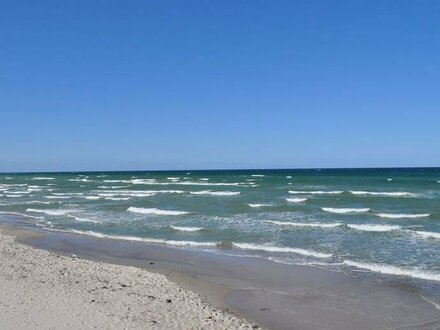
(44, 290)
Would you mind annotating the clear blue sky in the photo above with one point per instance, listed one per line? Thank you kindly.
(102, 85)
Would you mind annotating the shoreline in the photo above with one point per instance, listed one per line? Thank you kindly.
(274, 295)
(42, 289)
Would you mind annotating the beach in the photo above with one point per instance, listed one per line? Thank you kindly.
(61, 280)
(44, 290)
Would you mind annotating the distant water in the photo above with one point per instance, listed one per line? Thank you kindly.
(372, 220)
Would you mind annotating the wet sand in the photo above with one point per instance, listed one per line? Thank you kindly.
(274, 295)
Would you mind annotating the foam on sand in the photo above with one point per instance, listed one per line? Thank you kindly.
(345, 210)
(306, 224)
(402, 216)
(394, 270)
(317, 192)
(271, 248)
(190, 229)
(373, 228)
(384, 193)
(215, 193)
(155, 211)
(296, 200)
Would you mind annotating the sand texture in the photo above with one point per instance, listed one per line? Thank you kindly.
(43, 290)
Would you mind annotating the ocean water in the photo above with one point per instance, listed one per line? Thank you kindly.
(370, 221)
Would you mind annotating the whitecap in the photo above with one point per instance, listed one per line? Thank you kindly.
(393, 270)
(117, 198)
(50, 212)
(84, 219)
(259, 205)
(402, 216)
(42, 178)
(58, 197)
(319, 192)
(306, 224)
(384, 194)
(296, 200)
(257, 175)
(373, 228)
(345, 210)
(20, 214)
(141, 239)
(428, 234)
(155, 211)
(215, 193)
(117, 181)
(271, 248)
(190, 229)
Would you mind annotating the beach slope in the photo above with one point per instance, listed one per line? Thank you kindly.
(43, 290)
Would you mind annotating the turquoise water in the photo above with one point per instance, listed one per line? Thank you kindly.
(373, 220)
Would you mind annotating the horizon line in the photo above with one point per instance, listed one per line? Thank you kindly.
(230, 169)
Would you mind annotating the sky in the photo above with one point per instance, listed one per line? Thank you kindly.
(157, 84)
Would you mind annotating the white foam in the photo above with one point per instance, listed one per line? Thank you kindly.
(296, 200)
(92, 197)
(117, 181)
(58, 197)
(42, 178)
(141, 239)
(50, 212)
(428, 234)
(389, 179)
(402, 216)
(318, 192)
(393, 270)
(84, 219)
(173, 178)
(191, 229)
(204, 179)
(215, 193)
(155, 211)
(20, 214)
(38, 202)
(271, 248)
(289, 177)
(68, 194)
(373, 228)
(134, 194)
(259, 205)
(384, 194)
(117, 198)
(344, 210)
(257, 175)
(306, 224)
(14, 196)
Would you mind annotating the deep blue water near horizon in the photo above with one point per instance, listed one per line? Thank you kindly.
(362, 221)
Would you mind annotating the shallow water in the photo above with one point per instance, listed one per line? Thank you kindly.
(375, 220)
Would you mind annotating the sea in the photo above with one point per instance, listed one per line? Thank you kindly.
(360, 221)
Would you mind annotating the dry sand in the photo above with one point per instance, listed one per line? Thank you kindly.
(43, 290)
